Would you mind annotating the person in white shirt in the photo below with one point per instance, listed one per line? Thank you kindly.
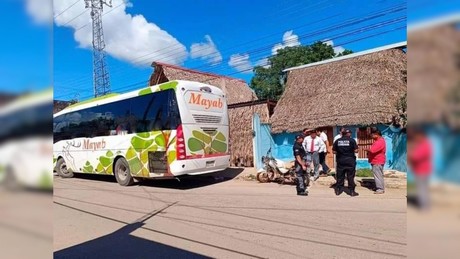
(323, 151)
(342, 129)
(312, 145)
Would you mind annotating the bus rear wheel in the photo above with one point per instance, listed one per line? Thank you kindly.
(122, 172)
(62, 170)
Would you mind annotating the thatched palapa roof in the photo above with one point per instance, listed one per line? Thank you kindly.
(237, 90)
(358, 89)
(434, 70)
(60, 105)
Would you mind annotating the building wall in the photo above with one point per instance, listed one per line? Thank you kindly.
(445, 154)
(241, 132)
(263, 140)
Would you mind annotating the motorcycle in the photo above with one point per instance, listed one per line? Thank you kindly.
(275, 170)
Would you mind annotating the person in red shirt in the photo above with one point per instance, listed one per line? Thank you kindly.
(419, 158)
(377, 156)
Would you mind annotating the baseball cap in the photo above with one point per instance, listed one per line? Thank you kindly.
(299, 137)
(347, 131)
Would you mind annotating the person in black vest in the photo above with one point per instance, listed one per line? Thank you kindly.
(300, 166)
(345, 149)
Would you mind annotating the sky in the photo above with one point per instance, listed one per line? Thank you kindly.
(219, 36)
(25, 50)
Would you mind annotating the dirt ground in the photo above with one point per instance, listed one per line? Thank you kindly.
(218, 217)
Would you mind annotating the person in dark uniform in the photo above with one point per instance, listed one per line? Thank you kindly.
(345, 149)
(300, 166)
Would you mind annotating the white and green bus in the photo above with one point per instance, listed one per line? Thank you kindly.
(26, 141)
(159, 132)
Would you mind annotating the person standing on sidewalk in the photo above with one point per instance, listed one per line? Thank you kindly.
(419, 158)
(323, 151)
(377, 156)
(346, 148)
(312, 144)
(300, 166)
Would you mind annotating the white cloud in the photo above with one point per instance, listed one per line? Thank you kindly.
(241, 63)
(41, 11)
(263, 62)
(206, 51)
(289, 40)
(337, 50)
(128, 37)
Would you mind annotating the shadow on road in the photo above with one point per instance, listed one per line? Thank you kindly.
(368, 183)
(121, 244)
(192, 182)
(182, 183)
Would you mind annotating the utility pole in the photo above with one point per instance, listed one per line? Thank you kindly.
(101, 81)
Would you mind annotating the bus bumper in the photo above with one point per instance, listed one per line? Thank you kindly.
(200, 166)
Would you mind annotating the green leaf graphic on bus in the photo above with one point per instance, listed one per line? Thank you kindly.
(195, 144)
(143, 143)
(106, 163)
(219, 146)
(162, 87)
(202, 136)
(171, 156)
(144, 91)
(133, 160)
(88, 168)
(207, 143)
(160, 140)
(169, 85)
(139, 144)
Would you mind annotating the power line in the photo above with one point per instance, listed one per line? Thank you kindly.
(316, 33)
(145, 82)
(332, 37)
(56, 16)
(343, 25)
(179, 46)
(347, 23)
(73, 19)
(350, 33)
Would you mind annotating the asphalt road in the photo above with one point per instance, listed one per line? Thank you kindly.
(94, 217)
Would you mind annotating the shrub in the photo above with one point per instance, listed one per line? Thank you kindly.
(364, 173)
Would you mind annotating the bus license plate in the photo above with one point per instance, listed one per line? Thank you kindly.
(210, 163)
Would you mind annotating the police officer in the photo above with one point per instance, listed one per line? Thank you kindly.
(300, 166)
(345, 149)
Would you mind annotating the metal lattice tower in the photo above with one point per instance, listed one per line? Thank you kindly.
(101, 81)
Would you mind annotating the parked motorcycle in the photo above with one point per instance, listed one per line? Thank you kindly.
(275, 170)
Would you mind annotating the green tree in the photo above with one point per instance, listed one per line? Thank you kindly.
(401, 108)
(345, 52)
(268, 81)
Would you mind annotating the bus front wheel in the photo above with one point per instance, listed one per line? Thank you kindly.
(122, 172)
(62, 170)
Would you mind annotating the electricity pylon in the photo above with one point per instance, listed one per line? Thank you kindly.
(101, 81)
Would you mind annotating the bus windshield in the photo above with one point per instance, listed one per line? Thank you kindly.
(28, 121)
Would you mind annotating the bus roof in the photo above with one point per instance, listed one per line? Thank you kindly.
(113, 97)
(28, 100)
